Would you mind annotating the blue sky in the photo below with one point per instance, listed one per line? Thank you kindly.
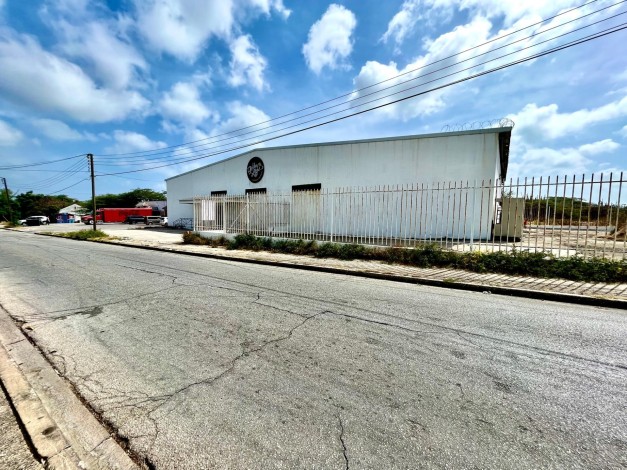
(146, 77)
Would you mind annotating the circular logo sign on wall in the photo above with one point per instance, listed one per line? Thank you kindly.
(255, 169)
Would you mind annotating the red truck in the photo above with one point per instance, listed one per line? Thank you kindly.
(117, 214)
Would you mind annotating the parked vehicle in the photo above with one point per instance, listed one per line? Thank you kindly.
(135, 219)
(117, 214)
(142, 219)
(164, 221)
(21, 222)
(37, 220)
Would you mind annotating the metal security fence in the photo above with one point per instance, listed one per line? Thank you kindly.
(565, 216)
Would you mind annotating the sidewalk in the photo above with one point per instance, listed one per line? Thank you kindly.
(601, 294)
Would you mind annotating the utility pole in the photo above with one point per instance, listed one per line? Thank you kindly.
(90, 159)
(6, 193)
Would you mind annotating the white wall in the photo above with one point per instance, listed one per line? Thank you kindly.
(466, 156)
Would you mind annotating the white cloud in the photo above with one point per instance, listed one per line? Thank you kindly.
(114, 61)
(443, 55)
(510, 11)
(183, 103)
(596, 148)
(419, 71)
(126, 142)
(89, 32)
(329, 42)
(547, 161)
(67, 89)
(242, 115)
(536, 123)
(266, 6)
(182, 27)
(403, 23)
(431, 12)
(623, 131)
(375, 72)
(9, 135)
(60, 131)
(247, 64)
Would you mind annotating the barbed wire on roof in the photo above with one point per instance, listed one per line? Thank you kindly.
(476, 125)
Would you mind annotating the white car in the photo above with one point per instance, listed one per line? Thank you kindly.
(21, 222)
(164, 221)
(37, 220)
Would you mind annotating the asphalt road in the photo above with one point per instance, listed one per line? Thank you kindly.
(212, 364)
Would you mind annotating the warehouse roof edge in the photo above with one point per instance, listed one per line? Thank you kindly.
(504, 142)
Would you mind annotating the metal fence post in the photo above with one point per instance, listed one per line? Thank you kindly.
(472, 220)
(332, 213)
(224, 214)
(247, 213)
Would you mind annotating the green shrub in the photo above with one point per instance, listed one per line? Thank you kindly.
(432, 256)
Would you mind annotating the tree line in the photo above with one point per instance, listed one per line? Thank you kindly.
(26, 204)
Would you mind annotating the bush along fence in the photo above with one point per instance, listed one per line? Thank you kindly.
(578, 216)
(573, 268)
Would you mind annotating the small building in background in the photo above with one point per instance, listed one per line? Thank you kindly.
(70, 214)
(158, 207)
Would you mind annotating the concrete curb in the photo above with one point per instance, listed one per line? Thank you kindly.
(49, 443)
(466, 286)
(530, 294)
(63, 432)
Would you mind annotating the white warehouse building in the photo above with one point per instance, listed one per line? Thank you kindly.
(351, 189)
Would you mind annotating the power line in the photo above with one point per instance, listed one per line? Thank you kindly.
(187, 158)
(575, 42)
(189, 151)
(25, 165)
(189, 155)
(71, 186)
(187, 144)
(55, 180)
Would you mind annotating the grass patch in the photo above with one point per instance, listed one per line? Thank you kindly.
(518, 263)
(83, 234)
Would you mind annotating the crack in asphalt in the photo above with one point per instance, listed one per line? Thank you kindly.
(160, 401)
(234, 361)
(174, 278)
(89, 313)
(278, 308)
(164, 399)
(461, 389)
(447, 329)
(457, 331)
(37, 318)
(344, 448)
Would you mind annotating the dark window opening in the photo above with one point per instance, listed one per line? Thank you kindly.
(256, 191)
(307, 187)
(218, 193)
